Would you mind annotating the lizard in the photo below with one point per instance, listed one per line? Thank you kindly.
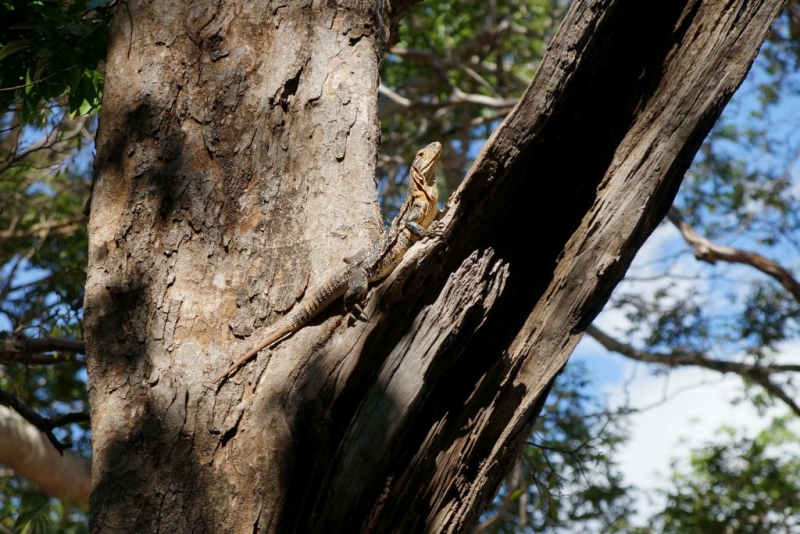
(372, 264)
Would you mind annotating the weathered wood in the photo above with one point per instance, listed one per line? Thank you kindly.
(236, 169)
(545, 225)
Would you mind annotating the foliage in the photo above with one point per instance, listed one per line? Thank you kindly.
(737, 485)
(49, 48)
(43, 185)
(454, 73)
(51, 56)
(567, 478)
(27, 510)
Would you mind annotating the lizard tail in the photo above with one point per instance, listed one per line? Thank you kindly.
(306, 310)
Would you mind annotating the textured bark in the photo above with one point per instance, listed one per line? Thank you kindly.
(236, 164)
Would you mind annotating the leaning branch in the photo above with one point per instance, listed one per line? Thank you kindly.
(705, 250)
(20, 349)
(25, 450)
(44, 424)
(760, 374)
(458, 97)
(45, 228)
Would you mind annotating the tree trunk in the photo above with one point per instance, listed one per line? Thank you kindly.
(236, 169)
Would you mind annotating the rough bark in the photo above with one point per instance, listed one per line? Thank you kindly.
(236, 169)
(236, 166)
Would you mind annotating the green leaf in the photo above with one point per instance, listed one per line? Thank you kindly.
(13, 47)
(517, 494)
(85, 108)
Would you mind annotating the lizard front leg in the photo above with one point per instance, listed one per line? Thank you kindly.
(357, 286)
(418, 212)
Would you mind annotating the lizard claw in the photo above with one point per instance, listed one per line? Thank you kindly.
(435, 230)
(355, 311)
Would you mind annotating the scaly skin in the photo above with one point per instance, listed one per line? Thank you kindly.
(375, 263)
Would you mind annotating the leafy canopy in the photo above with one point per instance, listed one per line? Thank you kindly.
(50, 48)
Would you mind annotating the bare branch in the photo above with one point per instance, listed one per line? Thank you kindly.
(28, 452)
(6, 287)
(512, 482)
(395, 97)
(30, 359)
(759, 374)
(458, 97)
(44, 424)
(477, 121)
(46, 344)
(439, 63)
(18, 348)
(705, 250)
(45, 228)
(775, 390)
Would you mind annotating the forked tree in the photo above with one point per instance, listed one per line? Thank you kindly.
(236, 168)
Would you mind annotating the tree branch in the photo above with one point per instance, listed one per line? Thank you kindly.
(44, 424)
(53, 140)
(42, 229)
(643, 126)
(458, 97)
(440, 63)
(759, 374)
(705, 250)
(18, 348)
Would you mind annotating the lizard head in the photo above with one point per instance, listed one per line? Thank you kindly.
(426, 162)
